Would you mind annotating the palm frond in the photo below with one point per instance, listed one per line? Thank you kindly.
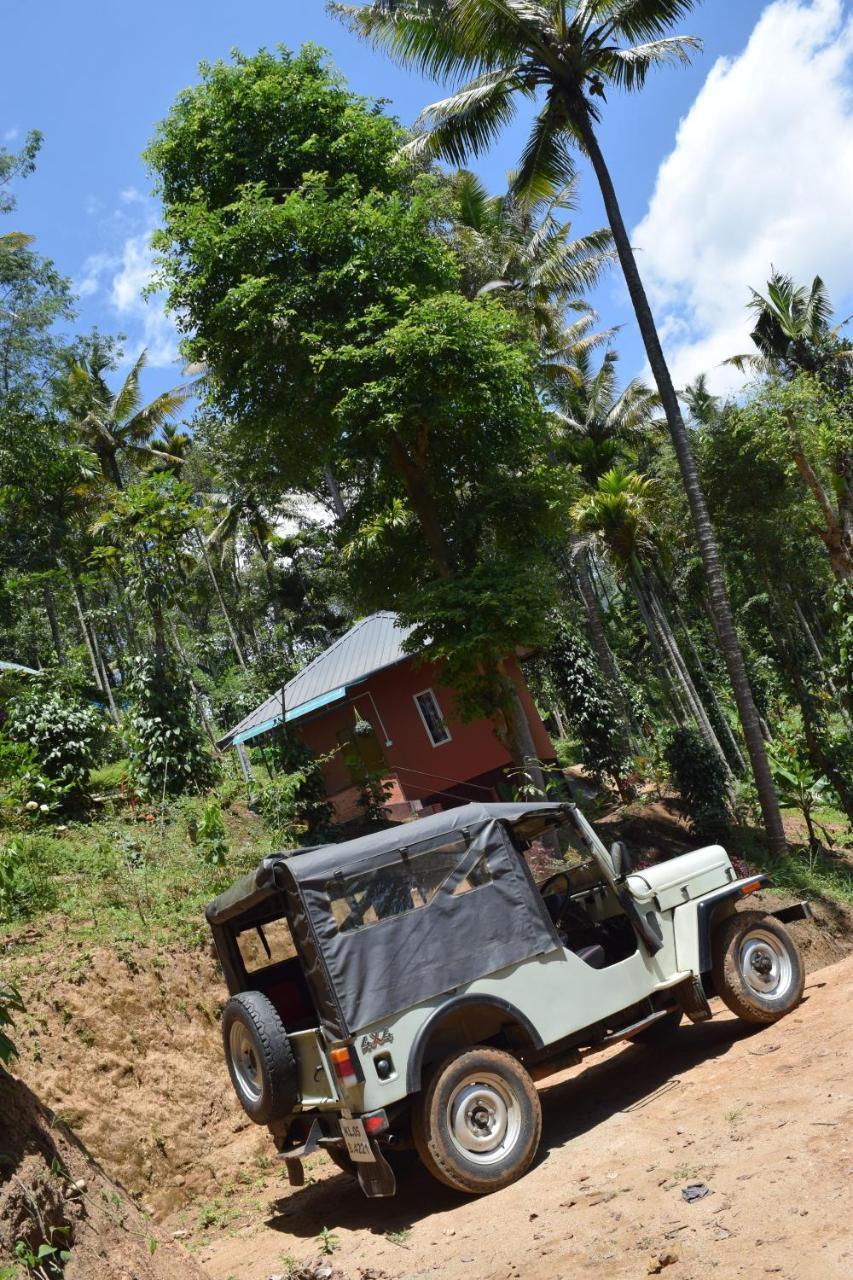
(467, 122)
(125, 402)
(143, 424)
(417, 34)
(545, 160)
(643, 19)
(474, 204)
(628, 68)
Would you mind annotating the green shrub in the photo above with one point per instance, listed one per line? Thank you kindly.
(63, 733)
(698, 775)
(209, 835)
(293, 805)
(10, 1004)
(166, 753)
(587, 703)
(27, 884)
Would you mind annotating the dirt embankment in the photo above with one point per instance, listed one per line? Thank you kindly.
(124, 1044)
(53, 1194)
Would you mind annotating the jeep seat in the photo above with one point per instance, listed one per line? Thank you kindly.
(594, 956)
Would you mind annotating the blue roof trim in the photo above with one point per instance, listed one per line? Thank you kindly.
(295, 713)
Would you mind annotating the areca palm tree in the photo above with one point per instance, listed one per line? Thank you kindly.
(116, 423)
(564, 55)
(792, 329)
(618, 513)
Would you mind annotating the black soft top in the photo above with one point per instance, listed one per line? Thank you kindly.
(362, 975)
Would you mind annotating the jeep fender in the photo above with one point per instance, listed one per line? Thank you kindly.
(421, 1041)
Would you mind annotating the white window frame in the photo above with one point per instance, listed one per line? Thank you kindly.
(431, 693)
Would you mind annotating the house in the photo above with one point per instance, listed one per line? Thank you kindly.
(370, 708)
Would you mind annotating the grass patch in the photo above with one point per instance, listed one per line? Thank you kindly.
(125, 876)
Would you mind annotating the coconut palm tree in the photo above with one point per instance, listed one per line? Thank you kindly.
(115, 423)
(564, 55)
(524, 249)
(599, 425)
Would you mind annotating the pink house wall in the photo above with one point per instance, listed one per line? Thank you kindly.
(386, 699)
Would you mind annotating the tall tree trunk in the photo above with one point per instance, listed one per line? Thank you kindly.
(734, 747)
(202, 711)
(226, 615)
(334, 493)
(654, 612)
(81, 617)
(598, 639)
(90, 634)
(843, 702)
(729, 643)
(50, 610)
(416, 490)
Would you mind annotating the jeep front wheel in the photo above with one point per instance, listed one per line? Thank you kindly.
(756, 965)
(478, 1122)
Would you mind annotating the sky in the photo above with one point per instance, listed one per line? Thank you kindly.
(741, 161)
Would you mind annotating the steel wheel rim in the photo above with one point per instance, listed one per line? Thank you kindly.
(244, 1060)
(483, 1118)
(765, 965)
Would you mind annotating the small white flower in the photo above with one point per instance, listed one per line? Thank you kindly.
(31, 805)
(44, 808)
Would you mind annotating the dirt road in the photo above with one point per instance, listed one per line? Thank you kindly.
(762, 1117)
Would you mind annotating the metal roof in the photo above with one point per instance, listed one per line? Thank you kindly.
(16, 666)
(371, 645)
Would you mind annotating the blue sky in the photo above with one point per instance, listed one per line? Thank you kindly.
(744, 159)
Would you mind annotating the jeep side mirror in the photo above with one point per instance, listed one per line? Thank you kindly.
(623, 863)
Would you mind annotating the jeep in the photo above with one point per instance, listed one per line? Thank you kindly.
(398, 995)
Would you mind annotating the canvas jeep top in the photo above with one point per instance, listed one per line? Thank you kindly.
(401, 990)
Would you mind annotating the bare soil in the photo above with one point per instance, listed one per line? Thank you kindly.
(53, 1193)
(763, 1117)
(123, 1043)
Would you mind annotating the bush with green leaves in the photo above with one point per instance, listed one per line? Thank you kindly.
(577, 681)
(10, 1004)
(293, 803)
(27, 882)
(699, 778)
(63, 733)
(164, 742)
(209, 835)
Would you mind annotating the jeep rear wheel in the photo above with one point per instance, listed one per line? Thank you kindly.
(757, 969)
(478, 1122)
(260, 1060)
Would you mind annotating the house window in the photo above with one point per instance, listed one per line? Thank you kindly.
(430, 713)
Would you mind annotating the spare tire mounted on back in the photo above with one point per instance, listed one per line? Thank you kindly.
(260, 1059)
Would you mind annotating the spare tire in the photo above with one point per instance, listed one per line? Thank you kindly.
(260, 1060)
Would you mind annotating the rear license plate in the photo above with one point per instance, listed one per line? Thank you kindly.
(358, 1143)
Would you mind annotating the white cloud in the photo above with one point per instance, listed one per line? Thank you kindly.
(761, 174)
(11, 134)
(123, 275)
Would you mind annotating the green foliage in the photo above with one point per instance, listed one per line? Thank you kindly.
(293, 803)
(45, 1261)
(27, 877)
(164, 744)
(10, 1004)
(798, 784)
(63, 733)
(700, 780)
(209, 835)
(274, 150)
(587, 703)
